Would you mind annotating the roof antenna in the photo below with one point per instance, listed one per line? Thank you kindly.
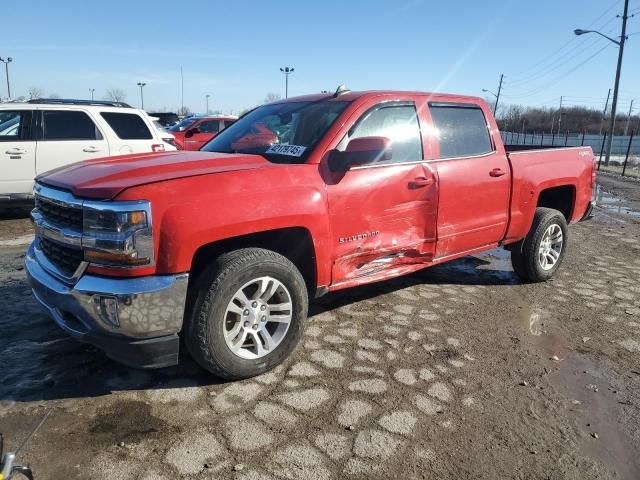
(341, 90)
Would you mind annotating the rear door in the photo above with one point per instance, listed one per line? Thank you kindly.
(17, 152)
(132, 133)
(206, 130)
(67, 136)
(383, 215)
(474, 179)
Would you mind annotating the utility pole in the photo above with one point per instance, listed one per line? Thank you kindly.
(287, 71)
(626, 127)
(495, 105)
(6, 62)
(620, 43)
(560, 117)
(604, 112)
(181, 92)
(207, 98)
(92, 90)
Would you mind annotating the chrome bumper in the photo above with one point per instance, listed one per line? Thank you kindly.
(134, 320)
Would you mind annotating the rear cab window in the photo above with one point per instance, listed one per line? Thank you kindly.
(59, 125)
(127, 126)
(461, 129)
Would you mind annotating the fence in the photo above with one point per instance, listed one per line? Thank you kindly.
(625, 150)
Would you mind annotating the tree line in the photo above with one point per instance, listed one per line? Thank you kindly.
(518, 118)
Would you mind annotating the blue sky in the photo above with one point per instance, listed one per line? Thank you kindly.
(233, 50)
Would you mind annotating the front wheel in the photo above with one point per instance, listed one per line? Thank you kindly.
(249, 313)
(540, 254)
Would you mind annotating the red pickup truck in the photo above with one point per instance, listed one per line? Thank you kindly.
(224, 247)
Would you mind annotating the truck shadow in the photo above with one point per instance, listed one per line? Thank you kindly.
(40, 362)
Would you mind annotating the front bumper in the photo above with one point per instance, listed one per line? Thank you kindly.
(135, 321)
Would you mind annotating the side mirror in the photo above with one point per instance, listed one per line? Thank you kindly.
(360, 151)
(191, 132)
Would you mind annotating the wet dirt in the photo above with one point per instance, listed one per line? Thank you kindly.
(457, 371)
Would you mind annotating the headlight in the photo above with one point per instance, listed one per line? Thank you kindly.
(118, 234)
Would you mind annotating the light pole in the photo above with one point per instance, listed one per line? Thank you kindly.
(614, 103)
(497, 95)
(287, 71)
(141, 84)
(6, 62)
(92, 90)
(207, 97)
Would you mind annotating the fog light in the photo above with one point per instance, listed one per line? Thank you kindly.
(109, 310)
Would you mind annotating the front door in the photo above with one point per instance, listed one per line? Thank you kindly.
(66, 137)
(383, 215)
(17, 152)
(474, 180)
(202, 133)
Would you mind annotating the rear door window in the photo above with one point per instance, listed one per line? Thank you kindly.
(127, 126)
(461, 130)
(68, 125)
(15, 125)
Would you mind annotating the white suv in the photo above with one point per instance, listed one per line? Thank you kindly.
(43, 134)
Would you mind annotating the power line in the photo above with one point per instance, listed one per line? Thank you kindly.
(560, 77)
(559, 62)
(571, 41)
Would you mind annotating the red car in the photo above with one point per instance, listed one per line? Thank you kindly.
(194, 132)
(224, 248)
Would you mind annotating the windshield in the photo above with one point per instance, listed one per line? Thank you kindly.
(282, 132)
(183, 125)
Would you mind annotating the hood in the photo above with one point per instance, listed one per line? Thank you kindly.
(106, 177)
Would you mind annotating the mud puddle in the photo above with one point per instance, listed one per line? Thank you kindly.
(614, 204)
(594, 397)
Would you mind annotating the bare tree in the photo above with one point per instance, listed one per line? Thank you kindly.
(115, 95)
(272, 97)
(184, 110)
(35, 92)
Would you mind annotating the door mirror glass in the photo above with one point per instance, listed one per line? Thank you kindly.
(191, 132)
(361, 151)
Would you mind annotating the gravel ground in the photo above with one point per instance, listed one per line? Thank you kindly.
(458, 371)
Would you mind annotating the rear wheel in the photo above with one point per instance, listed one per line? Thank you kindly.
(540, 254)
(249, 313)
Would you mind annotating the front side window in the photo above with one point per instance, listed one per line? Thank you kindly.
(12, 125)
(461, 130)
(399, 123)
(183, 125)
(209, 126)
(281, 132)
(127, 126)
(68, 125)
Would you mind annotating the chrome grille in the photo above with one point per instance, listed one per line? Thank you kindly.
(63, 215)
(65, 258)
(58, 222)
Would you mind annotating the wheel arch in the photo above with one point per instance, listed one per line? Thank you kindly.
(560, 197)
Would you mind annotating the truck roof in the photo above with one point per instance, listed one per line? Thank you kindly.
(350, 96)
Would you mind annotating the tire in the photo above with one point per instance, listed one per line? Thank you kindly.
(214, 313)
(526, 257)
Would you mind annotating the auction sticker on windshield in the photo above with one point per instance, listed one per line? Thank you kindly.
(283, 149)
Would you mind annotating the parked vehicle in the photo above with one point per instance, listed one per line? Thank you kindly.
(224, 247)
(193, 132)
(45, 134)
(166, 119)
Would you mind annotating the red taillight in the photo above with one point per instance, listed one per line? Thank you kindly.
(157, 147)
(594, 168)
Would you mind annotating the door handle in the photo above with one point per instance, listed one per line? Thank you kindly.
(497, 172)
(420, 182)
(16, 151)
(90, 149)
